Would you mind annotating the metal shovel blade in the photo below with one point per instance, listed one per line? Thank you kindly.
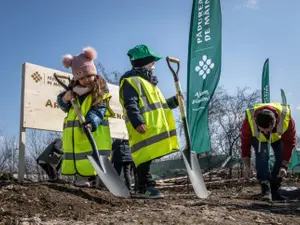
(109, 176)
(195, 175)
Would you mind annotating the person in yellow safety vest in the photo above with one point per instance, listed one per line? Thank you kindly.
(268, 123)
(148, 116)
(92, 95)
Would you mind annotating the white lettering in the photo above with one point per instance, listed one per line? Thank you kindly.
(197, 109)
(207, 34)
(207, 20)
(266, 93)
(197, 101)
(203, 22)
(199, 94)
(207, 13)
(199, 34)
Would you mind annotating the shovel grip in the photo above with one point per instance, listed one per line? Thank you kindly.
(73, 101)
(57, 76)
(173, 59)
(61, 76)
(176, 61)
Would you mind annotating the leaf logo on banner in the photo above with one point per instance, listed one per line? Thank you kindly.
(205, 67)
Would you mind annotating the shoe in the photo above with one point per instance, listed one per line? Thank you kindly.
(132, 193)
(82, 181)
(150, 193)
(265, 194)
(278, 197)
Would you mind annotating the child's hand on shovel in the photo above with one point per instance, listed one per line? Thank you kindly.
(67, 96)
(177, 97)
(88, 126)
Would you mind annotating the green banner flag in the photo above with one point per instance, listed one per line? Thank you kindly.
(204, 68)
(283, 98)
(265, 88)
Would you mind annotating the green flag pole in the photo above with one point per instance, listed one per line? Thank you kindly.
(204, 69)
(283, 97)
(265, 88)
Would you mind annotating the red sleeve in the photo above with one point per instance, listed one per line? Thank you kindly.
(289, 140)
(246, 139)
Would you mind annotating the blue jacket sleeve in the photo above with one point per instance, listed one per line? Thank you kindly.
(172, 102)
(131, 101)
(63, 106)
(96, 116)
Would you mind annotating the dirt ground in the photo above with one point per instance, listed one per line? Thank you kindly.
(50, 203)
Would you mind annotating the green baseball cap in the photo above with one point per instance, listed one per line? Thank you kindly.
(142, 51)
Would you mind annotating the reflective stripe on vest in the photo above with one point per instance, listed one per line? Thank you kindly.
(76, 145)
(281, 126)
(83, 155)
(76, 123)
(160, 137)
(152, 140)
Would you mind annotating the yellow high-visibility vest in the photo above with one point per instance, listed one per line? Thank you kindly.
(76, 146)
(160, 139)
(282, 126)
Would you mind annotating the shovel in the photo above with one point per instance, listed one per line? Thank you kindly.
(100, 163)
(189, 157)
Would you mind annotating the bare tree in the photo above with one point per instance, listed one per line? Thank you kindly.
(8, 154)
(228, 118)
(215, 109)
(12, 145)
(37, 141)
(110, 77)
(226, 113)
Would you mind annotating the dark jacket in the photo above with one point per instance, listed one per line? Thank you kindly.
(48, 155)
(131, 99)
(121, 151)
(95, 116)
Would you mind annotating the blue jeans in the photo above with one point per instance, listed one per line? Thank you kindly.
(263, 164)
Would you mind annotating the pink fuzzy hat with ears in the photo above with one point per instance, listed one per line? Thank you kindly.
(82, 65)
